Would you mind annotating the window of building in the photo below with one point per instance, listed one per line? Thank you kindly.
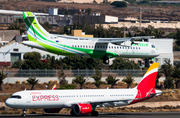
(15, 49)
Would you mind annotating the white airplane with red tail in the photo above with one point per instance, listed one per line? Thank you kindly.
(85, 101)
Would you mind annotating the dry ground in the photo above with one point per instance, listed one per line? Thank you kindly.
(149, 12)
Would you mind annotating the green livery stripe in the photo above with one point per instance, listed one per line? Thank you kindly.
(34, 22)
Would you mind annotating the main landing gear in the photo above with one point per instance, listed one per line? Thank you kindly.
(72, 113)
(94, 113)
(24, 113)
(106, 60)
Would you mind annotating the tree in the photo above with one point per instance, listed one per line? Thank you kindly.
(111, 80)
(2, 77)
(119, 4)
(94, 1)
(177, 37)
(88, 11)
(128, 80)
(32, 61)
(32, 56)
(79, 80)
(97, 78)
(176, 75)
(167, 70)
(61, 77)
(32, 81)
(18, 25)
(46, 26)
(159, 74)
(68, 86)
(120, 63)
(17, 64)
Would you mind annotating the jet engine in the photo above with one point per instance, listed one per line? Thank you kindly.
(52, 110)
(82, 108)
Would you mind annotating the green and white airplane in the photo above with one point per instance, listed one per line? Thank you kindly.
(101, 48)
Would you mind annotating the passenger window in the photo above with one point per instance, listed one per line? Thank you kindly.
(114, 47)
(117, 47)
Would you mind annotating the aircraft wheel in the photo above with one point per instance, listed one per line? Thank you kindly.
(94, 113)
(72, 113)
(23, 115)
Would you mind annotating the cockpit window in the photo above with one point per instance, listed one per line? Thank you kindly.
(16, 96)
(152, 46)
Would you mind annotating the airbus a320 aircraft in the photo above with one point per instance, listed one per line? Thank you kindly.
(101, 48)
(85, 101)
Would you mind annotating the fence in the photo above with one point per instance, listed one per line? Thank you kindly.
(71, 73)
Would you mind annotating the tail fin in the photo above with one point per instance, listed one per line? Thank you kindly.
(54, 87)
(34, 30)
(149, 79)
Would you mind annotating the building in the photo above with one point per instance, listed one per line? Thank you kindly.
(165, 47)
(13, 51)
(95, 18)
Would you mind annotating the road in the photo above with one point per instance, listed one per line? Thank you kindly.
(101, 115)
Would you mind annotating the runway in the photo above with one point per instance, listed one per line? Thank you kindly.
(101, 115)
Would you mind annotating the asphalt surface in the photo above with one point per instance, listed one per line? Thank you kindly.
(101, 115)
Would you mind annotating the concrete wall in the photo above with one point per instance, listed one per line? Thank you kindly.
(8, 35)
(145, 25)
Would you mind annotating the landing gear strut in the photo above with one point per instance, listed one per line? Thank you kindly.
(72, 113)
(106, 60)
(24, 113)
(94, 113)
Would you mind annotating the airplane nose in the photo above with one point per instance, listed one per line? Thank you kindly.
(8, 103)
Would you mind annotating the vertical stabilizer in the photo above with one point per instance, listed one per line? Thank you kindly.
(149, 79)
(34, 29)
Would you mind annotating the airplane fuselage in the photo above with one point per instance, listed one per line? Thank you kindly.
(89, 48)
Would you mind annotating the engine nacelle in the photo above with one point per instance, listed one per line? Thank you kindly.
(52, 110)
(82, 108)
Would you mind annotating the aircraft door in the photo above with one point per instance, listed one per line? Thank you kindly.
(28, 99)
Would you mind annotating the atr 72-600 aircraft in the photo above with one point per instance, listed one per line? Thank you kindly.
(85, 101)
(101, 48)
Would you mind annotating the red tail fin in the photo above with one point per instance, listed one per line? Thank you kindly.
(149, 79)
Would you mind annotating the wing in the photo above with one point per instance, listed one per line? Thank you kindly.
(119, 41)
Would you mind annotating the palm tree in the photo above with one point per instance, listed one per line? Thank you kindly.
(80, 80)
(2, 76)
(167, 70)
(88, 11)
(61, 77)
(128, 80)
(32, 81)
(111, 80)
(97, 78)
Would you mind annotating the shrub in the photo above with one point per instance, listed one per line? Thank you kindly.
(68, 86)
(17, 82)
(119, 4)
(23, 82)
(55, 81)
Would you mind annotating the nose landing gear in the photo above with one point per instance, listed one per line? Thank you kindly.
(24, 113)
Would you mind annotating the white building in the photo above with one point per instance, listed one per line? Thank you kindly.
(13, 51)
(165, 48)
